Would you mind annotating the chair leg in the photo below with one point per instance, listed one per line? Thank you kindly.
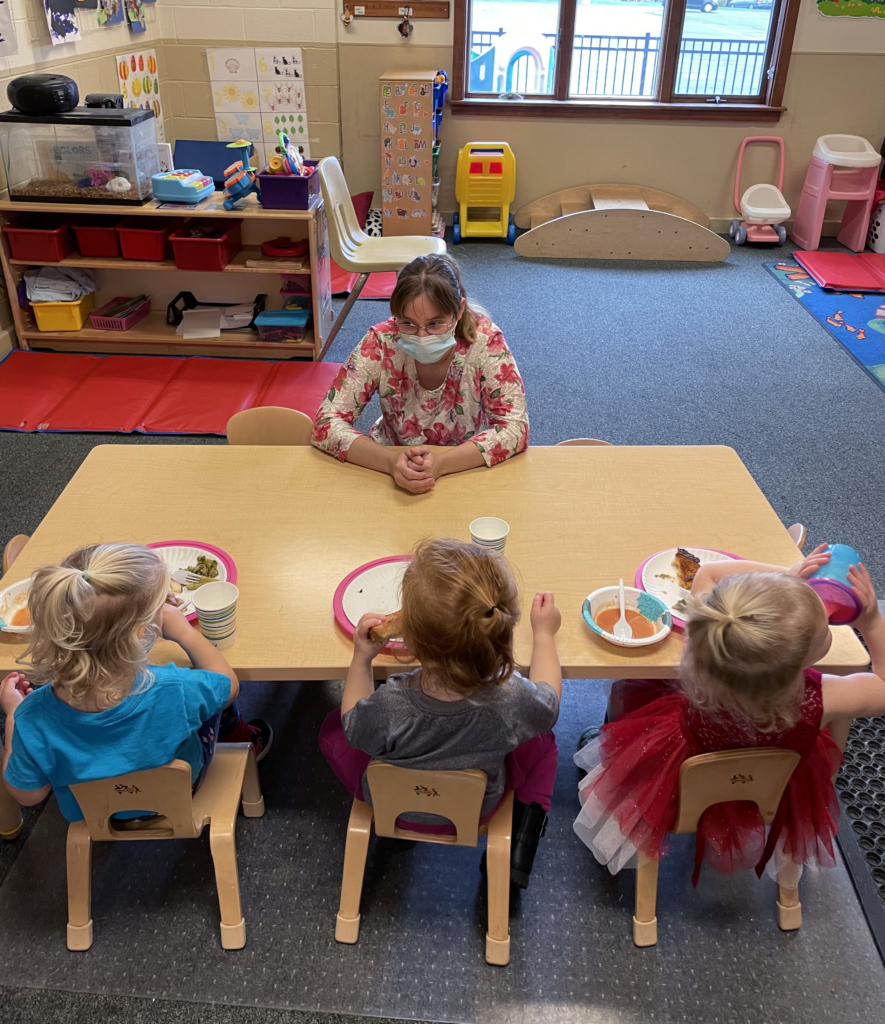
(79, 860)
(498, 871)
(356, 847)
(645, 923)
(10, 812)
(222, 843)
(252, 799)
(342, 316)
(789, 909)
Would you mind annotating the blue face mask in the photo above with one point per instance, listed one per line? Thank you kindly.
(427, 350)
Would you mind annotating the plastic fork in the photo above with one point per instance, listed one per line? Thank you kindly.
(622, 629)
(184, 577)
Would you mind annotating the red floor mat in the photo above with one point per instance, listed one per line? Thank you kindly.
(149, 394)
(379, 285)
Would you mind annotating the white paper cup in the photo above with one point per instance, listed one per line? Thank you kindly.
(216, 606)
(489, 533)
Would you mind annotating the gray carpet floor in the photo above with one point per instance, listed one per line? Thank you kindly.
(633, 353)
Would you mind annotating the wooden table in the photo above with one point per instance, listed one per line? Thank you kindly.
(296, 522)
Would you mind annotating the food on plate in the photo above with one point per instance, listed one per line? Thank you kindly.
(390, 629)
(206, 568)
(640, 625)
(21, 617)
(687, 566)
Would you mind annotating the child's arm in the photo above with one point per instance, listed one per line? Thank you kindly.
(360, 681)
(13, 691)
(710, 574)
(546, 620)
(201, 653)
(861, 695)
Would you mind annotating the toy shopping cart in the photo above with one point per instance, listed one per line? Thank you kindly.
(762, 206)
(485, 184)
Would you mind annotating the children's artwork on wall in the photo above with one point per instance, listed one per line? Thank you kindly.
(110, 12)
(138, 75)
(8, 43)
(86, 5)
(60, 19)
(259, 90)
(851, 8)
(135, 16)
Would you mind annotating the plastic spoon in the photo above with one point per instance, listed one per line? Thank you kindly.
(622, 629)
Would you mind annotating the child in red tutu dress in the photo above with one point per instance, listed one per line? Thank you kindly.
(752, 634)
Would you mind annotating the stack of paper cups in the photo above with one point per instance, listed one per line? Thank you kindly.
(216, 605)
(489, 533)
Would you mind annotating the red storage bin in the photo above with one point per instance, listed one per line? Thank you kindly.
(206, 244)
(146, 238)
(97, 236)
(47, 239)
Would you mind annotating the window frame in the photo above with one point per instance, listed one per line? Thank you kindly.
(766, 107)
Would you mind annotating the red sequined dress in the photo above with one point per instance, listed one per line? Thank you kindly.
(630, 795)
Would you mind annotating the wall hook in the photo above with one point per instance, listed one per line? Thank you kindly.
(405, 26)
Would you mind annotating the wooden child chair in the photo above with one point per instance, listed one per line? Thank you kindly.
(582, 441)
(10, 812)
(457, 796)
(756, 774)
(269, 425)
(232, 777)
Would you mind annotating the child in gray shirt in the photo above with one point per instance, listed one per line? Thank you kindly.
(466, 706)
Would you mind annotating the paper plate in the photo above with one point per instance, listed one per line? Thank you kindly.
(179, 554)
(657, 575)
(15, 596)
(373, 587)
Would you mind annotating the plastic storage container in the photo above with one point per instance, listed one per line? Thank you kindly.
(146, 238)
(97, 237)
(282, 324)
(83, 156)
(48, 239)
(830, 582)
(289, 191)
(62, 316)
(212, 248)
(115, 323)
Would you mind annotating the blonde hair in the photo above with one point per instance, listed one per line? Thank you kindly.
(438, 278)
(87, 613)
(746, 643)
(460, 607)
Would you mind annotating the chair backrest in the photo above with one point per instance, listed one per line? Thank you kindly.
(582, 441)
(758, 774)
(345, 234)
(270, 425)
(457, 796)
(13, 549)
(165, 791)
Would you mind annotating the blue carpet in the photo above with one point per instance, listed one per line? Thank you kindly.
(855, 320)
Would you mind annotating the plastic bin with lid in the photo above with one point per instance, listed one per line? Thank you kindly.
(282, 324)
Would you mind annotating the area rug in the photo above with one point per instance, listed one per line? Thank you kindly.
(855, 320)
(56, 391)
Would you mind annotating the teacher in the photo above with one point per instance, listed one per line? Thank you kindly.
(444, 376)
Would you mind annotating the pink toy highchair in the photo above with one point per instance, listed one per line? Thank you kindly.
(762, 206)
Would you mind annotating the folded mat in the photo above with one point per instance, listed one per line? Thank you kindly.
(149, 394)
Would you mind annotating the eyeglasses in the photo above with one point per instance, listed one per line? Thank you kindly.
(433, 327)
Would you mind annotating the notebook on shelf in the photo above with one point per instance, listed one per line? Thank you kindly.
(844, 271)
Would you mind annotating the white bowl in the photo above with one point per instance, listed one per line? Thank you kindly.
(649, 606)
(11, 599)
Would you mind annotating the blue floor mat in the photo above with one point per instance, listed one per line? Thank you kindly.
(855, 320)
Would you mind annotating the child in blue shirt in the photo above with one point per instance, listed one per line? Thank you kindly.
(104, 711)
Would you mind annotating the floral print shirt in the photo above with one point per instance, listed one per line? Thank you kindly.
(481, 400)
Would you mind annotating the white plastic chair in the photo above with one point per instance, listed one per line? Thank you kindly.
(353, 250)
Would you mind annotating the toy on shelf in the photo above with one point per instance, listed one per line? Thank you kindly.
(284, 248)
(762, 206)
(239, 179)
(183, 186)
(485, 182)
(617, 222)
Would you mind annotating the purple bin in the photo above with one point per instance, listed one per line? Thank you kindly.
(289, 191)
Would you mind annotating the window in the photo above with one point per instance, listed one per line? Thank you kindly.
(710, 59)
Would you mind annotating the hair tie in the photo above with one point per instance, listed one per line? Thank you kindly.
(491, 611)
(86, 575)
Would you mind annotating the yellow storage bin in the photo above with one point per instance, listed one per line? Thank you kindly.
(62, 316)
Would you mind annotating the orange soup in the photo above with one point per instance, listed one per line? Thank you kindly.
(640, 625)
(21, 617)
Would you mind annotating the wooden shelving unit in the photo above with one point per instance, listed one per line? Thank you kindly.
(152, 336)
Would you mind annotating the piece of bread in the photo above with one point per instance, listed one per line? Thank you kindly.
(391, 628)
(687, 566)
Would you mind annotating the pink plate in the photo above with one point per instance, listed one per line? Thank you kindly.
(341, 617)
(229, 564)
(678, 623)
